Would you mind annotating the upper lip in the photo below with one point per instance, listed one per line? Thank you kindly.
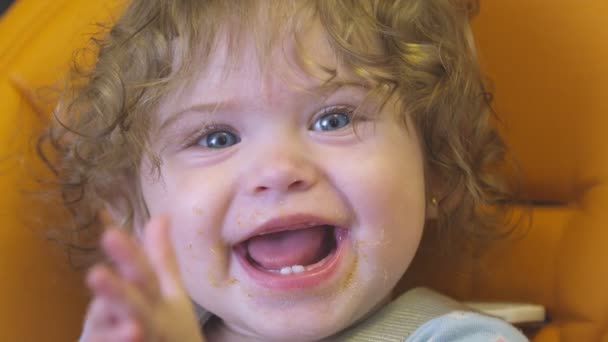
(288, 222)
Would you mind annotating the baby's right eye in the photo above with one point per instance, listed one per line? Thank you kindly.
(218, 139)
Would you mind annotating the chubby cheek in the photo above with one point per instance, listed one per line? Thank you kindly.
(195, 205)
(390, 210)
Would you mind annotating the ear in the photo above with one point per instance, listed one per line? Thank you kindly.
(432, 212)
(442, 196)
(432, 197)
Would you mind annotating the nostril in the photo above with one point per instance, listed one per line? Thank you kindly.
(296, 184)
(261, 188)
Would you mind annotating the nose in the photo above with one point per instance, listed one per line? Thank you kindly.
(281, 171)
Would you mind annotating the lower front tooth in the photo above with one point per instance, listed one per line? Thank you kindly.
(297, 268)
(286, 270)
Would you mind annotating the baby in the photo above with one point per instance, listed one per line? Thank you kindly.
(275, 162)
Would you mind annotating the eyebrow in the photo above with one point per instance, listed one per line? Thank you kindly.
(209, 108)
(230, 104)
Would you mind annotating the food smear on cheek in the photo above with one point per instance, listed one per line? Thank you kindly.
(219, 250)
(219, 262)
(213, 250)
(212, 280)
(351, 271)
(198, 211)
(359, 250)
(215, 282)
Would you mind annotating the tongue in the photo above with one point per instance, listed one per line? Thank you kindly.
(288, 248)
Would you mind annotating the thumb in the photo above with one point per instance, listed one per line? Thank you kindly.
(158, 247)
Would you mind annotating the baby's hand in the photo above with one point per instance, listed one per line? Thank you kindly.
(142, 298)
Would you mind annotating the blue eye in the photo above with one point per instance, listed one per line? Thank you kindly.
(219, 139)
(331, 122)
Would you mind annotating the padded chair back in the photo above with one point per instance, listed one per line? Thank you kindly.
(548, 61)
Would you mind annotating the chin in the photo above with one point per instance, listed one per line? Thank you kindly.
(311, 330)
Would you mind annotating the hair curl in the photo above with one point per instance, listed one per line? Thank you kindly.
(98, 136)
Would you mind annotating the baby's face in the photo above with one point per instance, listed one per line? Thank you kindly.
(286, 222)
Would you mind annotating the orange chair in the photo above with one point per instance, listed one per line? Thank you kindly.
(548, 63)
(41, 297)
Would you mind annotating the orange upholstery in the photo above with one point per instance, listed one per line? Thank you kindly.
(548, 63)
(41, 298)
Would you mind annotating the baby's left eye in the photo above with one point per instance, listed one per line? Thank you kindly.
(331, 121)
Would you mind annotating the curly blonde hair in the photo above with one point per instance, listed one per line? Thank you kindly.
(99, 133)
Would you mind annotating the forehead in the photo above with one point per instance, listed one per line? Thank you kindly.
(301, 61)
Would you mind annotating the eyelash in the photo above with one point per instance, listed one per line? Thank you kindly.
(207, 129)
(349, 111)
(213, 127)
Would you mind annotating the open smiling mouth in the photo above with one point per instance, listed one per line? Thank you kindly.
(293, 258)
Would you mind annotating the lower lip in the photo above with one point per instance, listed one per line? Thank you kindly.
(321, 272)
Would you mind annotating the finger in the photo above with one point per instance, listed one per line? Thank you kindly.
(108, 320)
(101, 281)
(158, 247)
(97, 318)
(130, 330)
(127, 300)
(131, 262)
(127, 331)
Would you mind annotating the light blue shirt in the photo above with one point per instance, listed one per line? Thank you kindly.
(466, 326)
